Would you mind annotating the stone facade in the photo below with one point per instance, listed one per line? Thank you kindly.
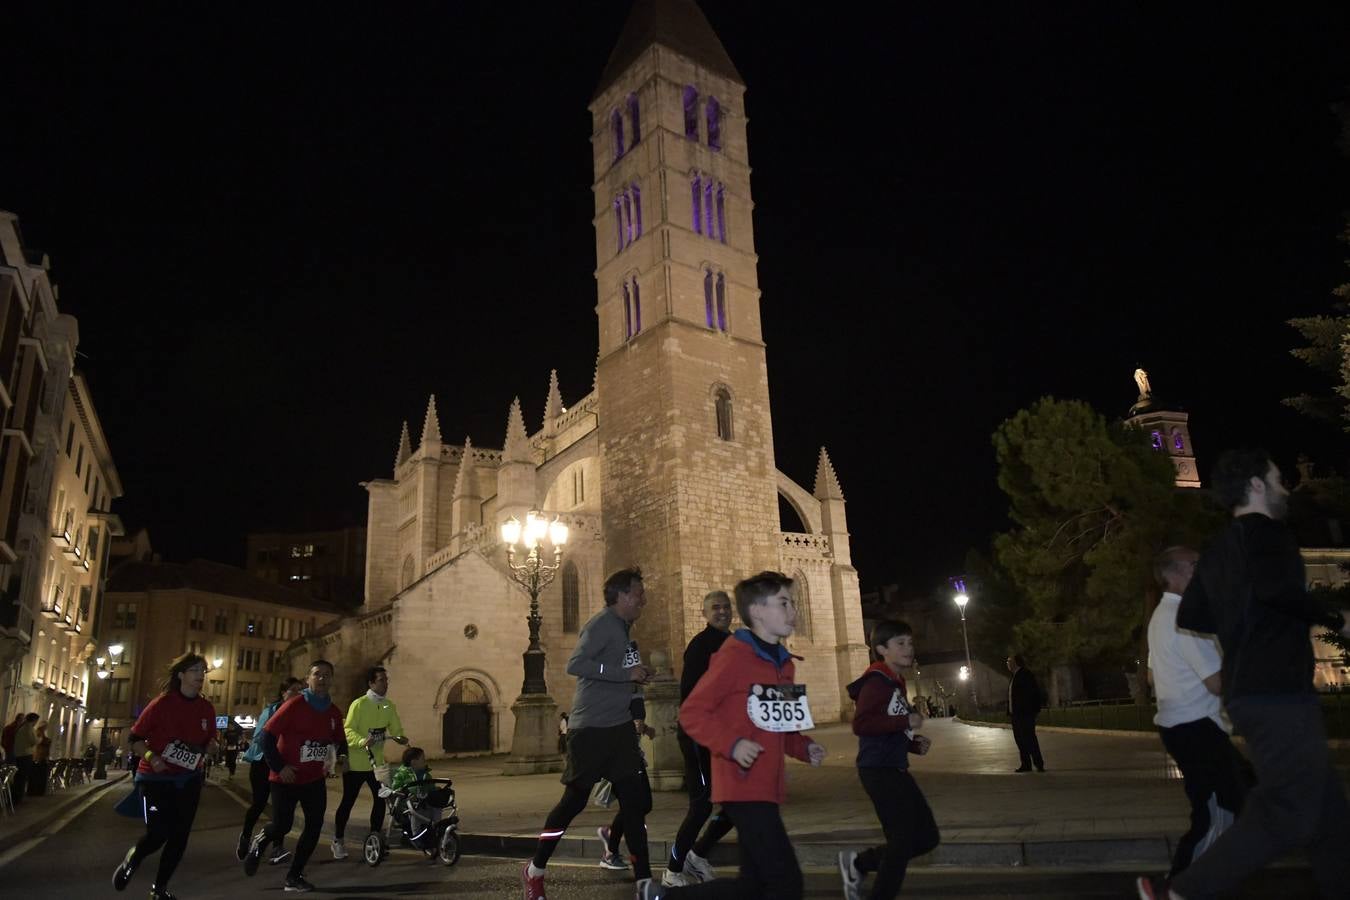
(667, 463)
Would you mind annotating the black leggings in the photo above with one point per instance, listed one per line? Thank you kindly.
(698, 782)
(635, 801)
(313, 799)
(768, 863)
(907, 822)
(169, 811)
(262, 789)
(352, 783)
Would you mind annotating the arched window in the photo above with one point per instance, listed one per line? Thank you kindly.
(1178, 442)
(714, 124)
(708, 296)
(616, 123)
(637, 210)
(408, 574)
(627, 313)
(1157, 440)
(690, 112)
(723, 402)
(618, 223)
(571, 598)
(721, 213)
(721, 302)
(708, 205)
(467, 690)
(628, 216)
(801, 599)
(696, 192)
(637, 307)
(634, 119)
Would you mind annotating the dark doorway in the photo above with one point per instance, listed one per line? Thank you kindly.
(466, 726)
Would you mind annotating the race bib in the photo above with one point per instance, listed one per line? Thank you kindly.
(314, 751)
(898, 706)
(779, 707)
(182, 755)
(631, 657)
(375, 738)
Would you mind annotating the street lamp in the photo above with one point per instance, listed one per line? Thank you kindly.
(969, 672)
(534, 575)
(106, 665)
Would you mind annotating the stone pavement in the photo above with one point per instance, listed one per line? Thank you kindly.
(1105, 798)
(35, 816)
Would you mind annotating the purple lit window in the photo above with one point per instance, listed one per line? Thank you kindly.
(721, 302)
(708, 296)
(1178, 441)
(714, 124)
(628, 216)
(690, 112)
(637, 308)
(627, 313)
(637, 209)
(634, 119)
(1157, 441)
(708, 205)
(618, 222)
(697, 194)
(721, 213)
(616, 122)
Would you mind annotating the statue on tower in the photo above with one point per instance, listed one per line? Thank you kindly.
(1141, 379)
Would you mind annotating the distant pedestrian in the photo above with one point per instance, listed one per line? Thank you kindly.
(562, 733)
(7, 736)
(1250, 590)
(1185, 670)
(25, 742)
(1024, 705)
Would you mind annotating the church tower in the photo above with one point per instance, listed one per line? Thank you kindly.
(1169, 429)
(686, 437)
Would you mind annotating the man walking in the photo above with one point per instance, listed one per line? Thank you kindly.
(25, 741)
(688, 860)
(1024, 704)
(1249, 590)
(1185, 670)
(601, 742)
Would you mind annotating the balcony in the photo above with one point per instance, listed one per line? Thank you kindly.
(62, 537)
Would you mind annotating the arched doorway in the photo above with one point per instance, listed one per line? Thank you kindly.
(466, 726)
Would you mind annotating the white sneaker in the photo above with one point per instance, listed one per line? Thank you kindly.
(644, 890)
(339, 851)
(850, 876)
(675, 879)
(698, 868)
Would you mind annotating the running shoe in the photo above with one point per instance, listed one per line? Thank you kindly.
(125, 869)
(612, 861)
(255, 851)
(241, 849)
(158, 893)
(849, 875)
(675, 879)
(646, 890)
(339, 851)
(534, 884)
(279, 856)
(1153, 888)
(698, 868)
(298, 885)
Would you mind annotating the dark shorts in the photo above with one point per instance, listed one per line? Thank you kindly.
(595, 753)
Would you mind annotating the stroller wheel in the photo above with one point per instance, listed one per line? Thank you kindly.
(448, 852)
(375, 849)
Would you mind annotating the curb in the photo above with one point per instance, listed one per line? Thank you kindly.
(71, 800)
(1333, 743)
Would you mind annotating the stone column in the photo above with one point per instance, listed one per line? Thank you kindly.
(534, 744)
(665, 769)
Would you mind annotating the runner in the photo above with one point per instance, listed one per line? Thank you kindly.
(258, 772)
(296, 743)
(371, 719)
(172, 737)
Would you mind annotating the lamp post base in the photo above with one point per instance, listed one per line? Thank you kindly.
(534, 743)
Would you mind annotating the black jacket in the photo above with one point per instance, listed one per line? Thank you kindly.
(1248, 590)
(1024, 694)
(697, 655)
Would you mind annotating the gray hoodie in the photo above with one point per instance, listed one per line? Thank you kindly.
(600, 663)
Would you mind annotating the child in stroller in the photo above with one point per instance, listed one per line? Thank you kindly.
(423, 807)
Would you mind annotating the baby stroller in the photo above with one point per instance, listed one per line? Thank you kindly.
(430, 823)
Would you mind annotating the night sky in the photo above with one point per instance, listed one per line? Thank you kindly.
(282, 230)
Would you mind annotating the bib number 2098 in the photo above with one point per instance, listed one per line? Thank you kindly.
(182, 755)
(779, 707)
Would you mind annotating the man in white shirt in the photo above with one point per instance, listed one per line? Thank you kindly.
(1184, 668)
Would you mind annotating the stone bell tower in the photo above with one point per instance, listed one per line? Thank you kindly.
(1169, 429)
(686, 437)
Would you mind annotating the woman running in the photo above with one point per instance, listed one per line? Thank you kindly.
(258, 772)
(172, 738)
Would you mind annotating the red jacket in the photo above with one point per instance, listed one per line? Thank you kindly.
(714, 715)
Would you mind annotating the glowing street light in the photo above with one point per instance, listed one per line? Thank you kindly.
(107, 664)
(961, 599)
(534, 575)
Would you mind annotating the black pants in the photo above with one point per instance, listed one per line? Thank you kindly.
(313, 799)
(907, 823)
(769, 866)
(1024, 733)
(1211, 767)
(262, 790)
(352, 782)
(1298, 801)
(19, 789)
(169, 811)
(639, 798)
(698, 782)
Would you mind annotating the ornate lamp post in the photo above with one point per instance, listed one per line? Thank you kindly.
(534, 575)
(106, 665)
(969, 672)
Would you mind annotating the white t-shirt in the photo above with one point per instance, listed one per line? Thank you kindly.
(1180, 660)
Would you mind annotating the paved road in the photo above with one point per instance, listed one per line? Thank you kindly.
(77, 861)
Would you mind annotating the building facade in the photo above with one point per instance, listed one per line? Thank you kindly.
(241, 624)
(328, 566)
(667, 463)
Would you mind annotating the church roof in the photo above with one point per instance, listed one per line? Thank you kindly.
(678, 25)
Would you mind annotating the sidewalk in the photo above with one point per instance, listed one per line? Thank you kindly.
(35, 814)
(1105, 799)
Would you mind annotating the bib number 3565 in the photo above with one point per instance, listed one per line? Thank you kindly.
(779, 707)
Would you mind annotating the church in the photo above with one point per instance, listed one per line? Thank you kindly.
(667, 463)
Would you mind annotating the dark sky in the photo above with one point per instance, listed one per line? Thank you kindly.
(281, 230)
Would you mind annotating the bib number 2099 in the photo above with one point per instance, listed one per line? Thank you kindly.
(313, 751)
(779, 707)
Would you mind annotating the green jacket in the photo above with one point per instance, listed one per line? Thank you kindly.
(406, 777)
(365, 716)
